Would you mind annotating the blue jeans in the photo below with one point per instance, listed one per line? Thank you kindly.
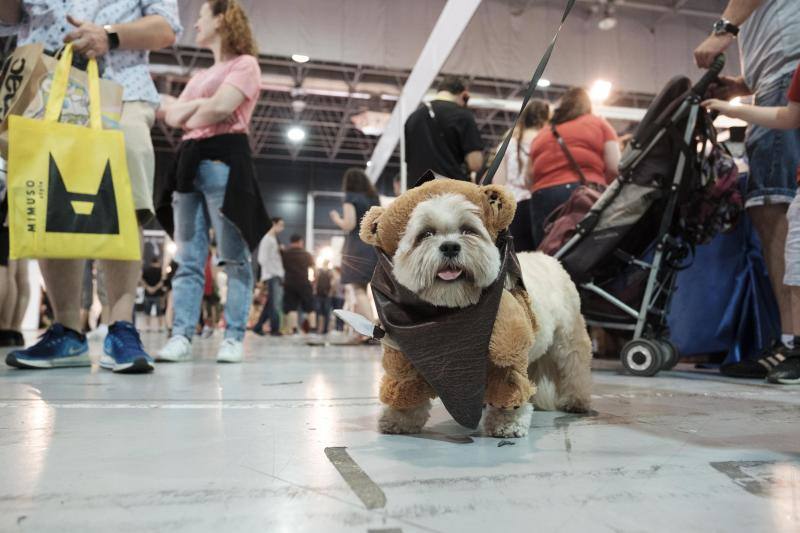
(195, 213)
(542, 203)
(773, 155)
(272, 309)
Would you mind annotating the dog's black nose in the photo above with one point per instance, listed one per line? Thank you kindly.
(450, 249)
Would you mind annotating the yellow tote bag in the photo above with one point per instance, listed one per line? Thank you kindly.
(69, 193)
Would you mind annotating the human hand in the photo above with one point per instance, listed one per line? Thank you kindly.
(720, 106)
(88, 38)
(728, 88)
(709, 49)
(335, 217)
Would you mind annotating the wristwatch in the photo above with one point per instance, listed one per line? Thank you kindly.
(723, 26)
(113, 37)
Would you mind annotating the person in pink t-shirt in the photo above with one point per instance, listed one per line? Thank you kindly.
(214, 180)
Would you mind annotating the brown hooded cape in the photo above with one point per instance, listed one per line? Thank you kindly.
(449, 347)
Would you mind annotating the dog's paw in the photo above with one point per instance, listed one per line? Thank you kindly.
(508, 423)
(577, 406)
(403, 421)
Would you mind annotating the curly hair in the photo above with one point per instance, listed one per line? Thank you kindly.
(236, 32)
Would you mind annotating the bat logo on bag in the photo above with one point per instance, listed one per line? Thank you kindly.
(70, 212)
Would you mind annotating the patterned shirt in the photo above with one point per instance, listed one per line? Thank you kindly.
(45, 21)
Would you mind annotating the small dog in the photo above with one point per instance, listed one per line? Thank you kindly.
(447, 257)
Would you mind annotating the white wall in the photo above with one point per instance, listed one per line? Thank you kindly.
(499, 41)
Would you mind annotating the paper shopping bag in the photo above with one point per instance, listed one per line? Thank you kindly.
(68, 186)
(27, 76)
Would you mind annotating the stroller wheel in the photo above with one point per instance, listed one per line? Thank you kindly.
(642, 357)
(669, 354)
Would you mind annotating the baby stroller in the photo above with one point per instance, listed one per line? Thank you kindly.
(676, 188)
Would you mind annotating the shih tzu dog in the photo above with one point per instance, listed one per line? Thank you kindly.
(447, 256)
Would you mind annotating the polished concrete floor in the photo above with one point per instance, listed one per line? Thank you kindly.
(286, 442)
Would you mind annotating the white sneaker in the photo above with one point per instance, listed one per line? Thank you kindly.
(98, 333)
(230, 351)
(177, 350)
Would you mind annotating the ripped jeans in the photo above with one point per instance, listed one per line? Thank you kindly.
(195, 213)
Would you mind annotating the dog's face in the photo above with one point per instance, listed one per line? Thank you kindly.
(446, 256)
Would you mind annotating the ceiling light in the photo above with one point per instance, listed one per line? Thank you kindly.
(600, 91)
(609, 21)
(543, 82)
(369, 163)
(300, 58)
(296, 134)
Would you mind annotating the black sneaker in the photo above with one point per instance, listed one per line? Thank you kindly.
(769, 358)
(786, 373)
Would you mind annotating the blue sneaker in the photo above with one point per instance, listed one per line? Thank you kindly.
(58, 347)
(124, 352)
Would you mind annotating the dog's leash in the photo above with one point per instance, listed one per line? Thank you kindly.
(537, 75)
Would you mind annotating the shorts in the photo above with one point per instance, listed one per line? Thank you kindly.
(137, 120)
(295, 298)
(773, 155)
(792, 250)
(151, 302)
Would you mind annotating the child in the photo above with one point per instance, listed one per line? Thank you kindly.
(784, 366)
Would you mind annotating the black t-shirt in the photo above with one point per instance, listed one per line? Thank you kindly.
(296, 263)
(151, 276)
(441, 145)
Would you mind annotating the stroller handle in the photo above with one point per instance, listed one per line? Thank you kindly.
(710, 76)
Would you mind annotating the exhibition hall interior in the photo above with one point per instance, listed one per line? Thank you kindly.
(389, 266)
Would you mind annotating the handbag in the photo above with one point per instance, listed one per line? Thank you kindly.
(69, 191)
(561, 224)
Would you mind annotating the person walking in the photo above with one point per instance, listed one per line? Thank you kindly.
(272, 274)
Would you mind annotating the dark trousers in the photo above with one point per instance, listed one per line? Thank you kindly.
(272, 307)
(324, 306)
(338, 303)
(542, 203)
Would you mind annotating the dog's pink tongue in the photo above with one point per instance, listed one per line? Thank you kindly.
(449, 275)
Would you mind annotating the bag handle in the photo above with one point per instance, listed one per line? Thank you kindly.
(574, 164)
(58, 90)
(537, 75)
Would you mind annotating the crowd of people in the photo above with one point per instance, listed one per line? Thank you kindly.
(211, 205)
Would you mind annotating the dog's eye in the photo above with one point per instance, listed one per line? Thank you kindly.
(466, 230)
(424, 235)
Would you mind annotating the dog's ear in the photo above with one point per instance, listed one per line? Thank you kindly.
(501, 205)
(369, 226)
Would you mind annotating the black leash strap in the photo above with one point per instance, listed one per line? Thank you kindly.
(537, 75)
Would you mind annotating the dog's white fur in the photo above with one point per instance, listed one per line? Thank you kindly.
(448, 218)
(560, 359)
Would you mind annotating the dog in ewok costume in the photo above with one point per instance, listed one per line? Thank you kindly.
(458, 320)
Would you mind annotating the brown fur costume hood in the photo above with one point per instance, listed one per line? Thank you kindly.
(384, 227)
